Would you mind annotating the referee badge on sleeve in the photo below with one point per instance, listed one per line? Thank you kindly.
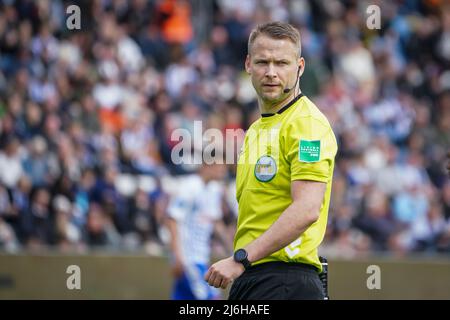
(309, 150)
(265, 168)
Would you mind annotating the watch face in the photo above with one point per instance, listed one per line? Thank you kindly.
(240, 255)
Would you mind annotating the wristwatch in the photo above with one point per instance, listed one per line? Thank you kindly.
(241, 256)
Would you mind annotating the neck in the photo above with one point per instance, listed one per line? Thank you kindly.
(273, 107)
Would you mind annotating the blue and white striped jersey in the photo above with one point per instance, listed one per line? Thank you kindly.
(196, 207)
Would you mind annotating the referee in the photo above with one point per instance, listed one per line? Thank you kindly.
(283, 181)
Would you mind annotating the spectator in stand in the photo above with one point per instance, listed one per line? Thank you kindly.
(75, 103)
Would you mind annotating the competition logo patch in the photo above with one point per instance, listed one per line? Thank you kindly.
(309, 150)
(265, 168)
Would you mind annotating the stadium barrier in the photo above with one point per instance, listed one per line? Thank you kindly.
(110, 276)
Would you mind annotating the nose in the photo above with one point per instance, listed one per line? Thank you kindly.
(271, 72)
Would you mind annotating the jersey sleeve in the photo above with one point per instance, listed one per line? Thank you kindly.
(215, 202)
(179, 203)
(310, 149)
(177, 208)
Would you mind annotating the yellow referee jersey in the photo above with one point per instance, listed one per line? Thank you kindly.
(296, 143)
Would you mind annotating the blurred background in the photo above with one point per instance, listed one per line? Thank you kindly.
(86, 118)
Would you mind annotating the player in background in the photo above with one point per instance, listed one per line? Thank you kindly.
(194, 214)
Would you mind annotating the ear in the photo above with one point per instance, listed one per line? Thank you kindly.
(301, 65)
(247, 64)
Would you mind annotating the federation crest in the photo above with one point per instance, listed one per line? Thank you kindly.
(265, 168)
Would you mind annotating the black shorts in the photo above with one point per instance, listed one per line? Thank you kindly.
(278, 281)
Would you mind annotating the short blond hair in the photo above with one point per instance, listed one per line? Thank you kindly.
(276, 30)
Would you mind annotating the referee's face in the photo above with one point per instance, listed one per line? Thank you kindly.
(272, 65)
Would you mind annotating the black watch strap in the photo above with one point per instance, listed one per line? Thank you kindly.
(246, 264)
(241, 256)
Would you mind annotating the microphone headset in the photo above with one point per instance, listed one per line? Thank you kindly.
(287, 90)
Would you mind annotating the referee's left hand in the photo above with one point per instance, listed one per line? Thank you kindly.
(223, 272)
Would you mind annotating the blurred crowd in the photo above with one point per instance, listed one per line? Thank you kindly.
(80, 108)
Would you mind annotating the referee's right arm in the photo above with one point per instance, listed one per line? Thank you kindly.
(307, 199)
